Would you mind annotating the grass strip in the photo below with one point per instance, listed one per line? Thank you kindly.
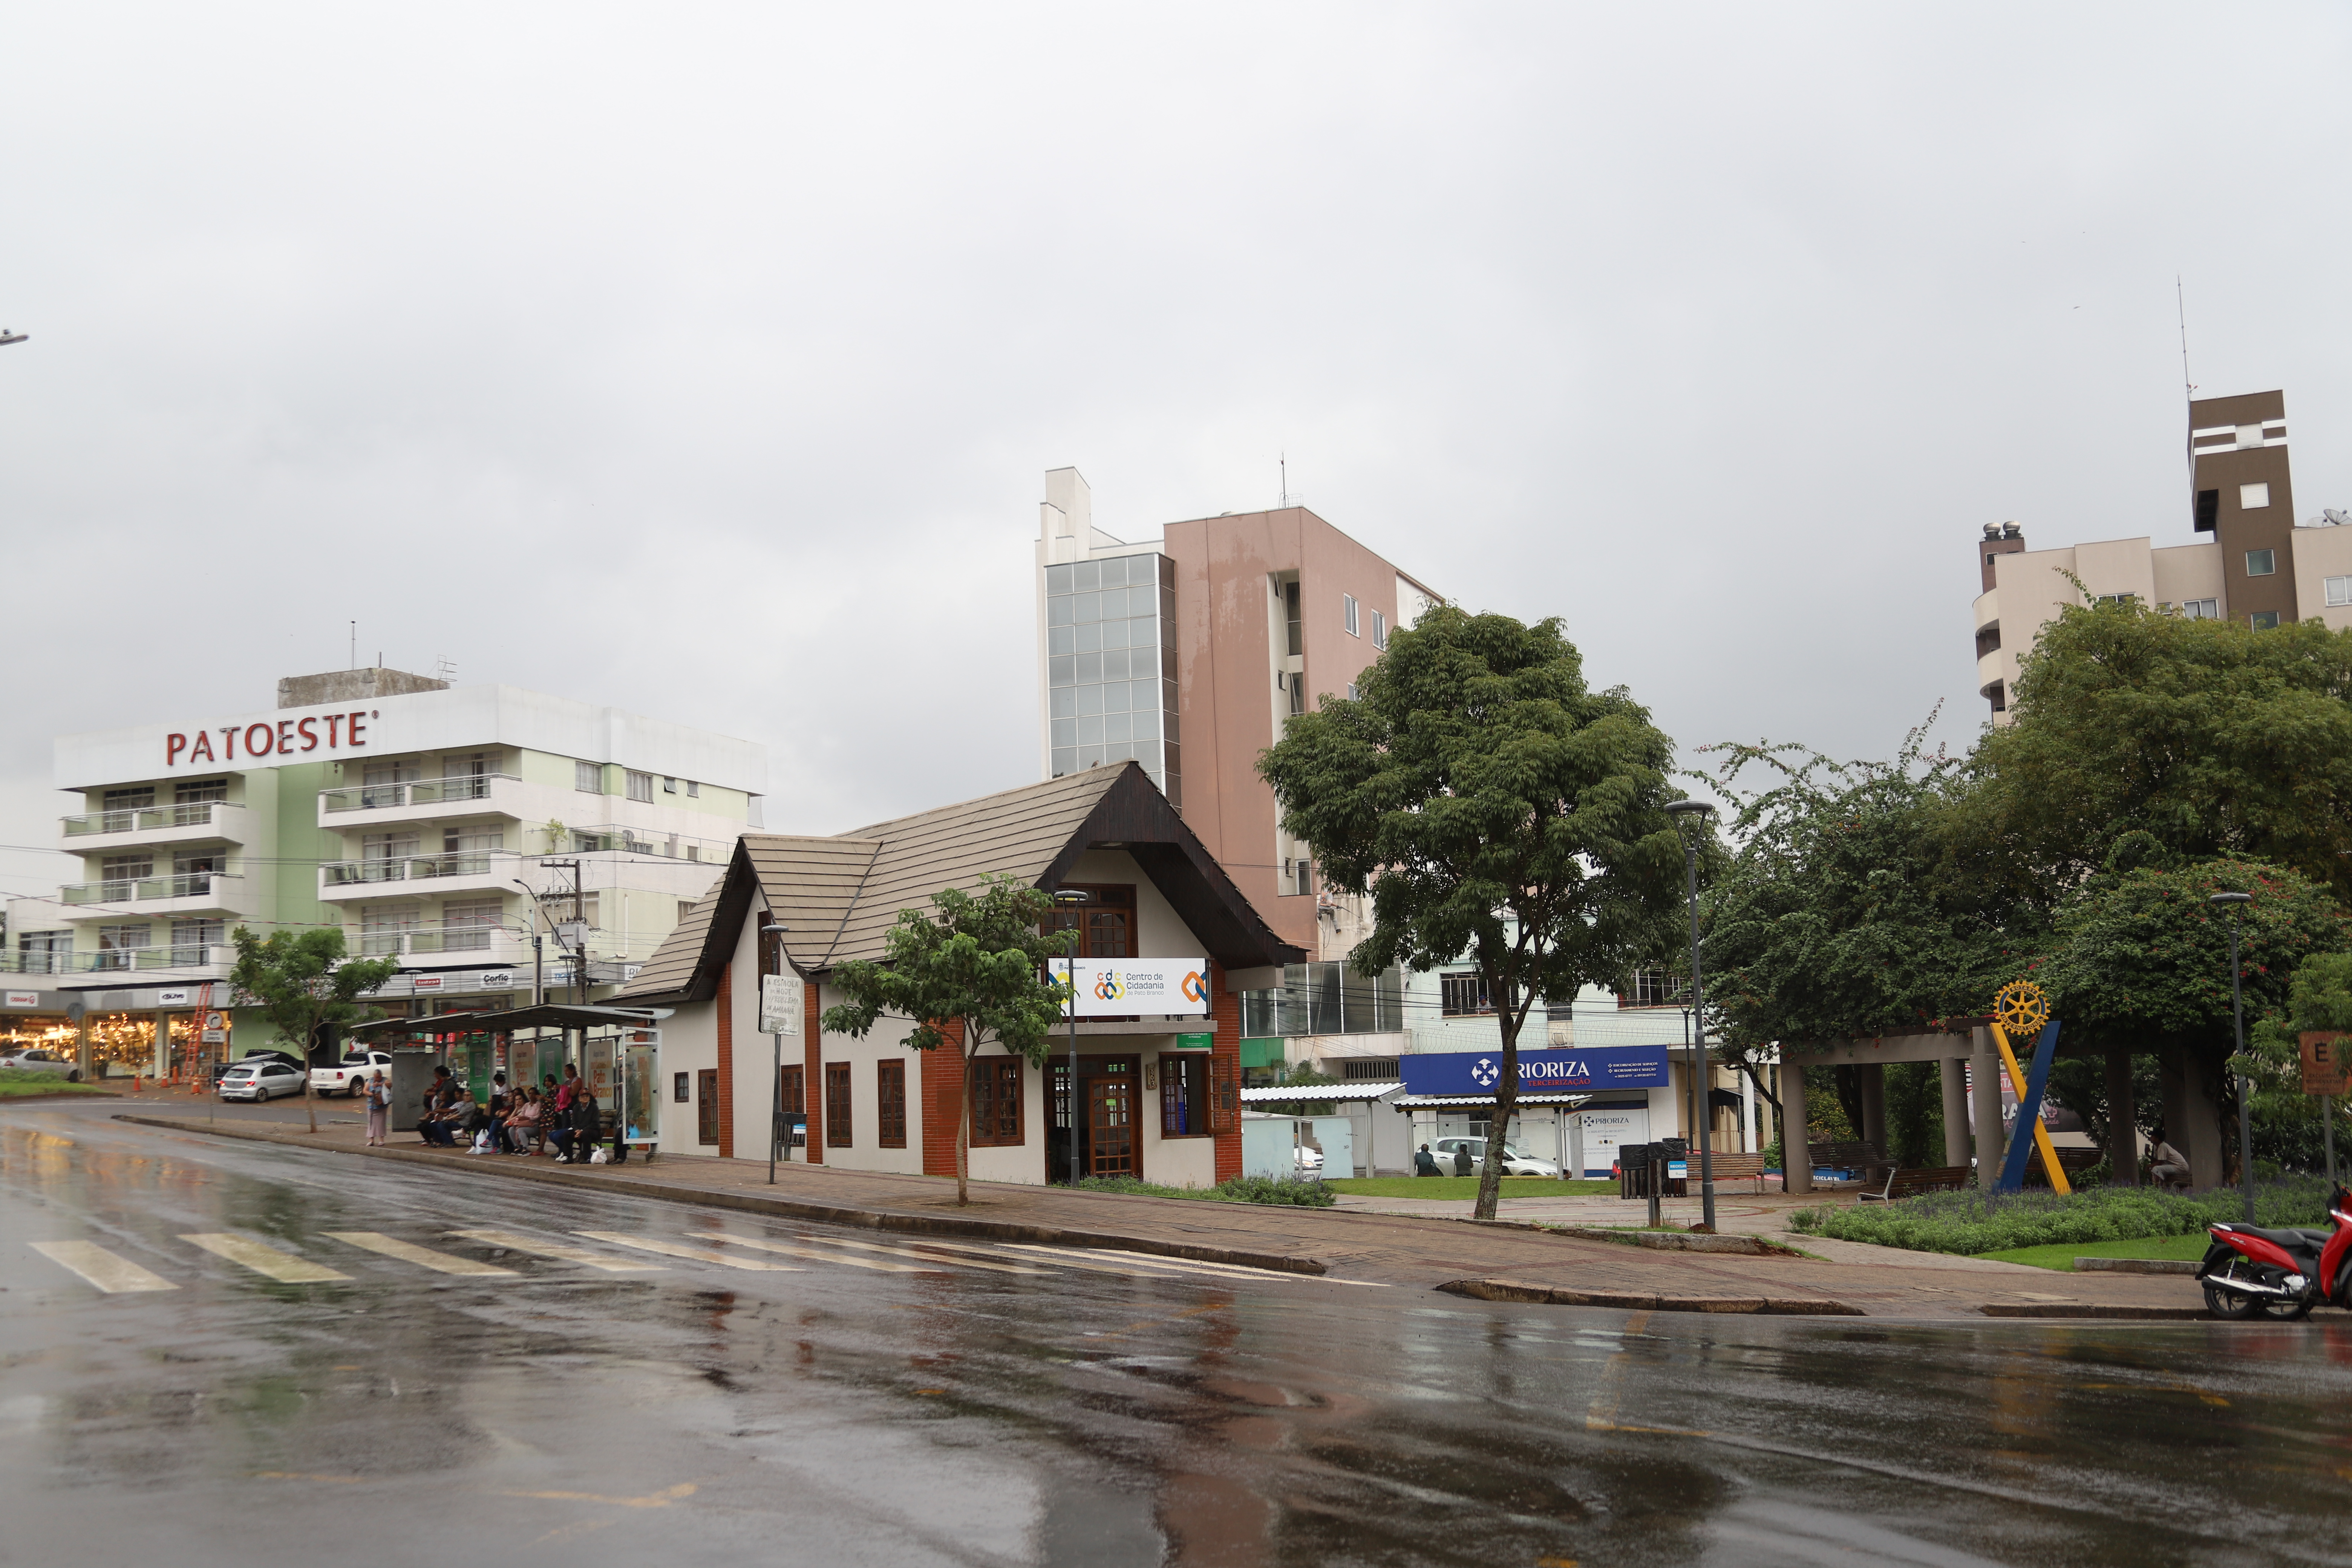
(1972, 1223)
(1467, 1187)
(17, 1086)
(2061, 1256)
(1305, 1195)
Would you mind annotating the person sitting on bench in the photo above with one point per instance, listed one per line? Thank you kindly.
(436, 1126)
(1425, 1164)
(2167, 1166)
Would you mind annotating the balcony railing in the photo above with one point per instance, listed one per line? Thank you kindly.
(117, 960)
(409, 868)
(47, 962)
(184, 885)
(416, 792)
(145, 818)
(427, 938)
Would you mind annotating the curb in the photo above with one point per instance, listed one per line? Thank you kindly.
(1559, 1296)
(1677, 1240)
(2089, 1310)
(2136, 1265)
(752, 1203)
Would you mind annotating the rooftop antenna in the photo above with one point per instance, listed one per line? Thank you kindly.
(1284, 460)
(2189, 396)
(355, 646)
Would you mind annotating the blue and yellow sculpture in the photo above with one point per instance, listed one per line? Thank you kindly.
(2022, 1009)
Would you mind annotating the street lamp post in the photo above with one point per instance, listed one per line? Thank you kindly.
(1689, 815)
(1071, 898)
(2237, 1021)
(776, 1054)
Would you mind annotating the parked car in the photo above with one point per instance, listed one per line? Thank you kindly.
(261, 1077)
(36, 1060)
(1310, 1161)
(1514, 1162)
(350, 1075)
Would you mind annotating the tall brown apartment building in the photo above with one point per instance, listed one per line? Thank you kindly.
(2243, 554)
(1190, 652)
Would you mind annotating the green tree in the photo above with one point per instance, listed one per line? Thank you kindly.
(2213, 738)
(1492, 804)
(2141, 962)
(302, 983)
(1849, 911)
(2289, 1125)
(972, 973)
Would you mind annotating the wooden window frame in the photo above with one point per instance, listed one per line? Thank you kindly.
(1006, 1095)
(1101, 896)
(706, 1106)
(837, 1105)
(1224, 1095)
(890, 1104)
(1190, 1069)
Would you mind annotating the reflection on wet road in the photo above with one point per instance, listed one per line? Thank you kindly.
(224, 1352)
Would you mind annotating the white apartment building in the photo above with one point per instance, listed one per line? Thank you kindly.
(446, 826)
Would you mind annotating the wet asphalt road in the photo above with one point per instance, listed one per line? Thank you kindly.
(935, 1410)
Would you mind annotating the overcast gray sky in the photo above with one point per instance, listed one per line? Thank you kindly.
(706, 359)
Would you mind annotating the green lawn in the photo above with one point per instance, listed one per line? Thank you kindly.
(16, 1084)
(2063, 1255)
(1467, 1187)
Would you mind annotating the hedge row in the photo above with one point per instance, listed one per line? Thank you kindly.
(1975, 1222)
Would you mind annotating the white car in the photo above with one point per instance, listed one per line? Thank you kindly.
(36, 1060)
(349, 1076)
(1310, 1161)
(1514, 1162)
(257, 1078)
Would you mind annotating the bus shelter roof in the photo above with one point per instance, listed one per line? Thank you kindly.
(549, 1016)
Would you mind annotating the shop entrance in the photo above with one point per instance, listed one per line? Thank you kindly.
(1109, 1127)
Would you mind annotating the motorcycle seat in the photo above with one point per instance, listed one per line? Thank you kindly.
(2294, 1240)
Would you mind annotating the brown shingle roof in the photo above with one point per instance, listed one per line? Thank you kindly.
(840, 895)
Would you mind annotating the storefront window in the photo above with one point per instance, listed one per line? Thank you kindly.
(27, 1031)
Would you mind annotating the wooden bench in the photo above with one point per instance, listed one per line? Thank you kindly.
(1919, 1179)
(1733, 1168)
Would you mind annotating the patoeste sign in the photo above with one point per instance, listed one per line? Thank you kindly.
(2326, 1063)
(1569, 1071)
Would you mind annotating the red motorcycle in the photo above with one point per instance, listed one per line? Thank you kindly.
(2249, 1272)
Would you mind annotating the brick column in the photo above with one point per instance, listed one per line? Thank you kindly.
(939, 1099)
(726, 1006)
(1226, 1058)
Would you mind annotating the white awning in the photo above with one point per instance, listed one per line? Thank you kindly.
(1319, 1092)
(1487, 1100)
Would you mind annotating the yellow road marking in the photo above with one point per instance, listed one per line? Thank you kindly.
(100, 1268)
(560, 1251)
(264, 1259)
(700, 1254)
(422, 1256)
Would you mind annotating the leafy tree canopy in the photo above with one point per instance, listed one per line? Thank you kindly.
(1491, 804)
(2212, 738)
(301, 981)
(1847, 910)
(969, 974)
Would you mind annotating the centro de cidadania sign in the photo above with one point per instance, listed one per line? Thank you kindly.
(1120, 989)
(283, 738)
(1555, 1072)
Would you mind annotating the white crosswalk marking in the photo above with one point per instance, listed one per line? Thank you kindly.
(264, 1259)
(102, 1268)
(422, 1256)
(791, 1251)
(700, 1254)
(930, 1257)
(562, 1252)
(1222, 1270)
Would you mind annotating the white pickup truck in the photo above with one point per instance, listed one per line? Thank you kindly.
(350, 1075)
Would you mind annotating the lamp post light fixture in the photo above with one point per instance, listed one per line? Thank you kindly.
(2237, 901)
(1072, 899)
(1689, 816)
(776, 1056)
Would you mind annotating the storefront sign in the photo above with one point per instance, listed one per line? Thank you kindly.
(1121, 988)
(781, 999)
(180, 996)
(1572, 1071)
(1196, 1042)
(2326, 1064)
(24, 998)
(279, 737)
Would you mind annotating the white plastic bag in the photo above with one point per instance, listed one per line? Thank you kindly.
(602, 1156)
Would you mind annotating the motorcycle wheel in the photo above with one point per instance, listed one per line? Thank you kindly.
(2230, 1306)
(2299, 1311)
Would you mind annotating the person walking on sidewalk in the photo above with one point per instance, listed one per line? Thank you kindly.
(378, 1109)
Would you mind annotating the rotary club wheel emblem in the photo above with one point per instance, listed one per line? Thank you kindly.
(2021, 1008)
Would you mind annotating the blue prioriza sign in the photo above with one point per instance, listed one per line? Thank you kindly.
(1574, 1071)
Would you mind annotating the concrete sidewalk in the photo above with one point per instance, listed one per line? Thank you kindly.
(1504, 1261)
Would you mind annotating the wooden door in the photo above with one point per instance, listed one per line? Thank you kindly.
(706, 1106)
(1110, 1126)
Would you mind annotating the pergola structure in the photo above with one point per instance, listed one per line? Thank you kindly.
(1968, 1043)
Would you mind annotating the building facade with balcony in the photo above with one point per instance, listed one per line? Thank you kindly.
(441, 825)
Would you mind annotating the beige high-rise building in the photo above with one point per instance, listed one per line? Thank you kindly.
(2244, 555)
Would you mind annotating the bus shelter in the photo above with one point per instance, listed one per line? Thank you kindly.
(616, 1049)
